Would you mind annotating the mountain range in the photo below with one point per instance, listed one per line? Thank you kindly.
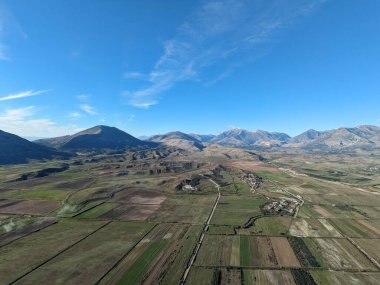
(15, 149)
(363, 137)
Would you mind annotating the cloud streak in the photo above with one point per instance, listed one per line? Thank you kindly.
(133, 75)
(22, 121)
(220, 32)
(23, 94)
(88, 109)
(3, 55)
(8, 25)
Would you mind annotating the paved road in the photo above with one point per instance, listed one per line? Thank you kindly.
(199, 243)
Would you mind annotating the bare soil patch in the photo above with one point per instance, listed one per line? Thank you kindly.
(113, 213)
(284, 253)
(31, 207)
(273, 277)
(366, 224)
(303, 190)
(323, 212)
(140, 196)
(266, 255)
(139, 212)
(251, 165)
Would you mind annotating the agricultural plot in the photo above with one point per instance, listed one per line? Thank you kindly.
(204, 276)
(309, 186)
(370, 246)
(235, 189)
(331, 211)
(345, 278)
(45, 245)
(303, 253)
(357, 199)
(236, 210)
(23, 228)
(369, 212)
(221, 230)
(338, 254)
(39, 194)
(130, 212)
(139, 196)
(233, 218)
(313, 228)
(179, 260)
(70, 210)
(284, 252)
(199, 275)
(11, 223)
(193, 209)
(268, 226)
(358, 228)
(266, 252)
(151, 257)
(264, 277)
(29, 207)
(79, 264)
(216, 251)
(97, 211)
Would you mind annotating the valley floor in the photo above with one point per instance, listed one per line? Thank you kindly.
(129, 219)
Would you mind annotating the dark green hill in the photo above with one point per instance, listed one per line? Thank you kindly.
(15, 149)
(96, 138)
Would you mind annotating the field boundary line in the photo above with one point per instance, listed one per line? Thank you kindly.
(80, 213)
(62, 251)
(32, 232)
(364, 252)
(125, 254)
(287, 268)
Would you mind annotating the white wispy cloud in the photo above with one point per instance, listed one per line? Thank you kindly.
(74, 115)
(131, 118)
(218, 30)
(3, 55)
(23, 94)
(8, 25)
(134, 75)
(23, 122)
(84, 97)
(88, 109)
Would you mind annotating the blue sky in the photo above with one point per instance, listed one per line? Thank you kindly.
(199, 66)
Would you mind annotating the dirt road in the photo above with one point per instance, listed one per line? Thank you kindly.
(199, 243)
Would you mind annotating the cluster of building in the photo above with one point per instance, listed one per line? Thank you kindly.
(189, 188)
(252, 180)
(284, 205)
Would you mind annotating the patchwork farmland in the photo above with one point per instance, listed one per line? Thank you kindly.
(95, 224)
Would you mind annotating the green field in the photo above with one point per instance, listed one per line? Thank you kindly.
(46, 244)
(79, 263)
(97, 211)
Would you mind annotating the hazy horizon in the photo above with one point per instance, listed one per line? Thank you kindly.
(32, 138)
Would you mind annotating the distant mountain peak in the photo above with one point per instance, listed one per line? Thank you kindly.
(180, 140)
(96, 138)
(245, 138)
